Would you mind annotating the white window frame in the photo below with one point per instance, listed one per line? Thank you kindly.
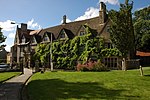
(82, 33)
(62, 34)
(46, 38)
(23, 40)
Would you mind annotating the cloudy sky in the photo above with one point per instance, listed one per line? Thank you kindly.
(46, 13)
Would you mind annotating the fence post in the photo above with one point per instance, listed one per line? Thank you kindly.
(141, 70)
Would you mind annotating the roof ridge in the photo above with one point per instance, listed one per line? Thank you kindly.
(73, 22)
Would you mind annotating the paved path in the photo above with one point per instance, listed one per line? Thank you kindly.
(11, 89)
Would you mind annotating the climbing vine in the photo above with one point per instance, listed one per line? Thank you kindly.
(67, 53)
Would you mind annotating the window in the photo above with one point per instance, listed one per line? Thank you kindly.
(82, 33)
(33, 40)
(111, 62)
(23, 39)
(108, 29)
(108, 45)
(15, 40)
(62, 35)
(45, 38)
(81, 49)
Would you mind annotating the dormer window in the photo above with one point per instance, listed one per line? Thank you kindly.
(46, 38)
(82, 30)
(23, 39)
(62, 35)
(82, 33)
(33, 40)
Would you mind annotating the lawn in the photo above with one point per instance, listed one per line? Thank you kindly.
(90, 85)
(6, 75)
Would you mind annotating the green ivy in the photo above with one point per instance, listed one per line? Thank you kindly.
(67, 53)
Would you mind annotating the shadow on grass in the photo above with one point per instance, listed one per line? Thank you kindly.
(56, 89)
(147, 75)
(10, 90)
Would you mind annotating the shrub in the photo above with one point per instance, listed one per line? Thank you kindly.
(99, 66)
(92, 66)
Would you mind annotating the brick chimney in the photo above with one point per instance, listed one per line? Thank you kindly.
(64, 19)
(23, 27)
(102, 13)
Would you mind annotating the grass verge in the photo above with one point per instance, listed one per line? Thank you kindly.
(7, 75)
(90, 85)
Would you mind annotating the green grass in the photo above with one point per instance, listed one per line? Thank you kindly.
(6, 75)
(112, 85)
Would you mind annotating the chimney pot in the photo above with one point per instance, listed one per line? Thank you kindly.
(23, 27)
(64, 19)
(102, 13)
(102, 6)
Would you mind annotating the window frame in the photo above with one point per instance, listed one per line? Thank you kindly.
(83, 33)
(46, 38)
(108, 28)
(33, 39)
(23, 39)
(62, 35)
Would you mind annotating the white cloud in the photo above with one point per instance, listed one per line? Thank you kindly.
(67, 20)
(10, 29)
(142, 7)
(94, 12)
(7, 48)
(7, 26)
(33, 25)
(11, 35)
(113, 2)
(89, 13)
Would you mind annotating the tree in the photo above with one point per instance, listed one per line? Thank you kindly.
(142, 29)
(2, 39)
(121, 31)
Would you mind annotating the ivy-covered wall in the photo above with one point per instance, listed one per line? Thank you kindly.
(68, 52)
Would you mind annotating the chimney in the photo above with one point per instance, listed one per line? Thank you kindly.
(23, 27)
(64, 19)
(102, 13)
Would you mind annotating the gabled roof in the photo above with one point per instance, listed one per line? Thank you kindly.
(73, 27)
(37, 38)
(35, 32)
(49, 35)
(25, 34)
(69, 34)
(80, 29)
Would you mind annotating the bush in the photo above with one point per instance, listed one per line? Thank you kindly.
(92, 66)
(99, 66)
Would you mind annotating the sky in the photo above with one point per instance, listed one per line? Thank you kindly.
(39, 14)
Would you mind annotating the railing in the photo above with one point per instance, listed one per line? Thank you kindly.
(133, 63)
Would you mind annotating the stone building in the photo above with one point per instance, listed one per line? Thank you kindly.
(26, 40)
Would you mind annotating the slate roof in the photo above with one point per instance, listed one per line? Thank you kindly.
(35, 32)
(73, 27)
